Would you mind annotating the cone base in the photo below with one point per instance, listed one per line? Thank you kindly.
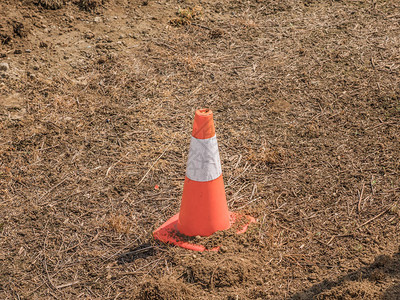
(168, 232)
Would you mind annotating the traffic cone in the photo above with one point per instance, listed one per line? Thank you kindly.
(204, 209)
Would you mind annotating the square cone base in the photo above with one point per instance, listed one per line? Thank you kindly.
(168, 232)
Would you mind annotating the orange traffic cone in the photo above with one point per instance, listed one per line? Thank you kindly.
(204, 209)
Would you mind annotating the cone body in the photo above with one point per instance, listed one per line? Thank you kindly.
(204, 209)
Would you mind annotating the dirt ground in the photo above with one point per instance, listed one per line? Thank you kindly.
(97, 100)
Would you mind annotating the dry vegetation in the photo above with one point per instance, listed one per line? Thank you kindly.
(96, 107)
(50, 4)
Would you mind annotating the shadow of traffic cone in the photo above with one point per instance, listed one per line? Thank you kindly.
(204, 209)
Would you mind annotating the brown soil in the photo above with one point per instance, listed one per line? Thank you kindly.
(97, 100)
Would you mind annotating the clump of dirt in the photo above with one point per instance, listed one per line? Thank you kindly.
(5, 37)
(164, 288)
(351, 290)
(19, 29)
(226, 273)
(223, 239)
(14, 28)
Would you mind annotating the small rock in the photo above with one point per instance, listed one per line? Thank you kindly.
(18, 51)
(14, 104)
(28, 50)
(102, 60)
(89, 35)
(31, 76)
(112, 56)
(4, 66)
(97, 19)
(80, 81)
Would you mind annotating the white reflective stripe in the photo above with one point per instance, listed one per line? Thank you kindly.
(203, 163)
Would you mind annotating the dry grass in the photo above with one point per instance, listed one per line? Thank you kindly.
(50, 4)
(119, 224)
(185, 16)
(306, 102)
(87, 5)
(90, 5)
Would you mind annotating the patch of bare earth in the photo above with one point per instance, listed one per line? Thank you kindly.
(96, 106)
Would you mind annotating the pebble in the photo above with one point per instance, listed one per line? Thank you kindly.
(89, 35)
(102, 59)
(4, 66)
(31, 76)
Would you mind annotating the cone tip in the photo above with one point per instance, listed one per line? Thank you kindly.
(203, 126)
(203, 112)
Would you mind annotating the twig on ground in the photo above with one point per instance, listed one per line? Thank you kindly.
(53, 188)
(253, 191)
(61, 286)
(152, 166)
(201, 26)
(141, 268)
(113, 165)
(361, 197)
(376, 217)
(339, 235)
(243, 206)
